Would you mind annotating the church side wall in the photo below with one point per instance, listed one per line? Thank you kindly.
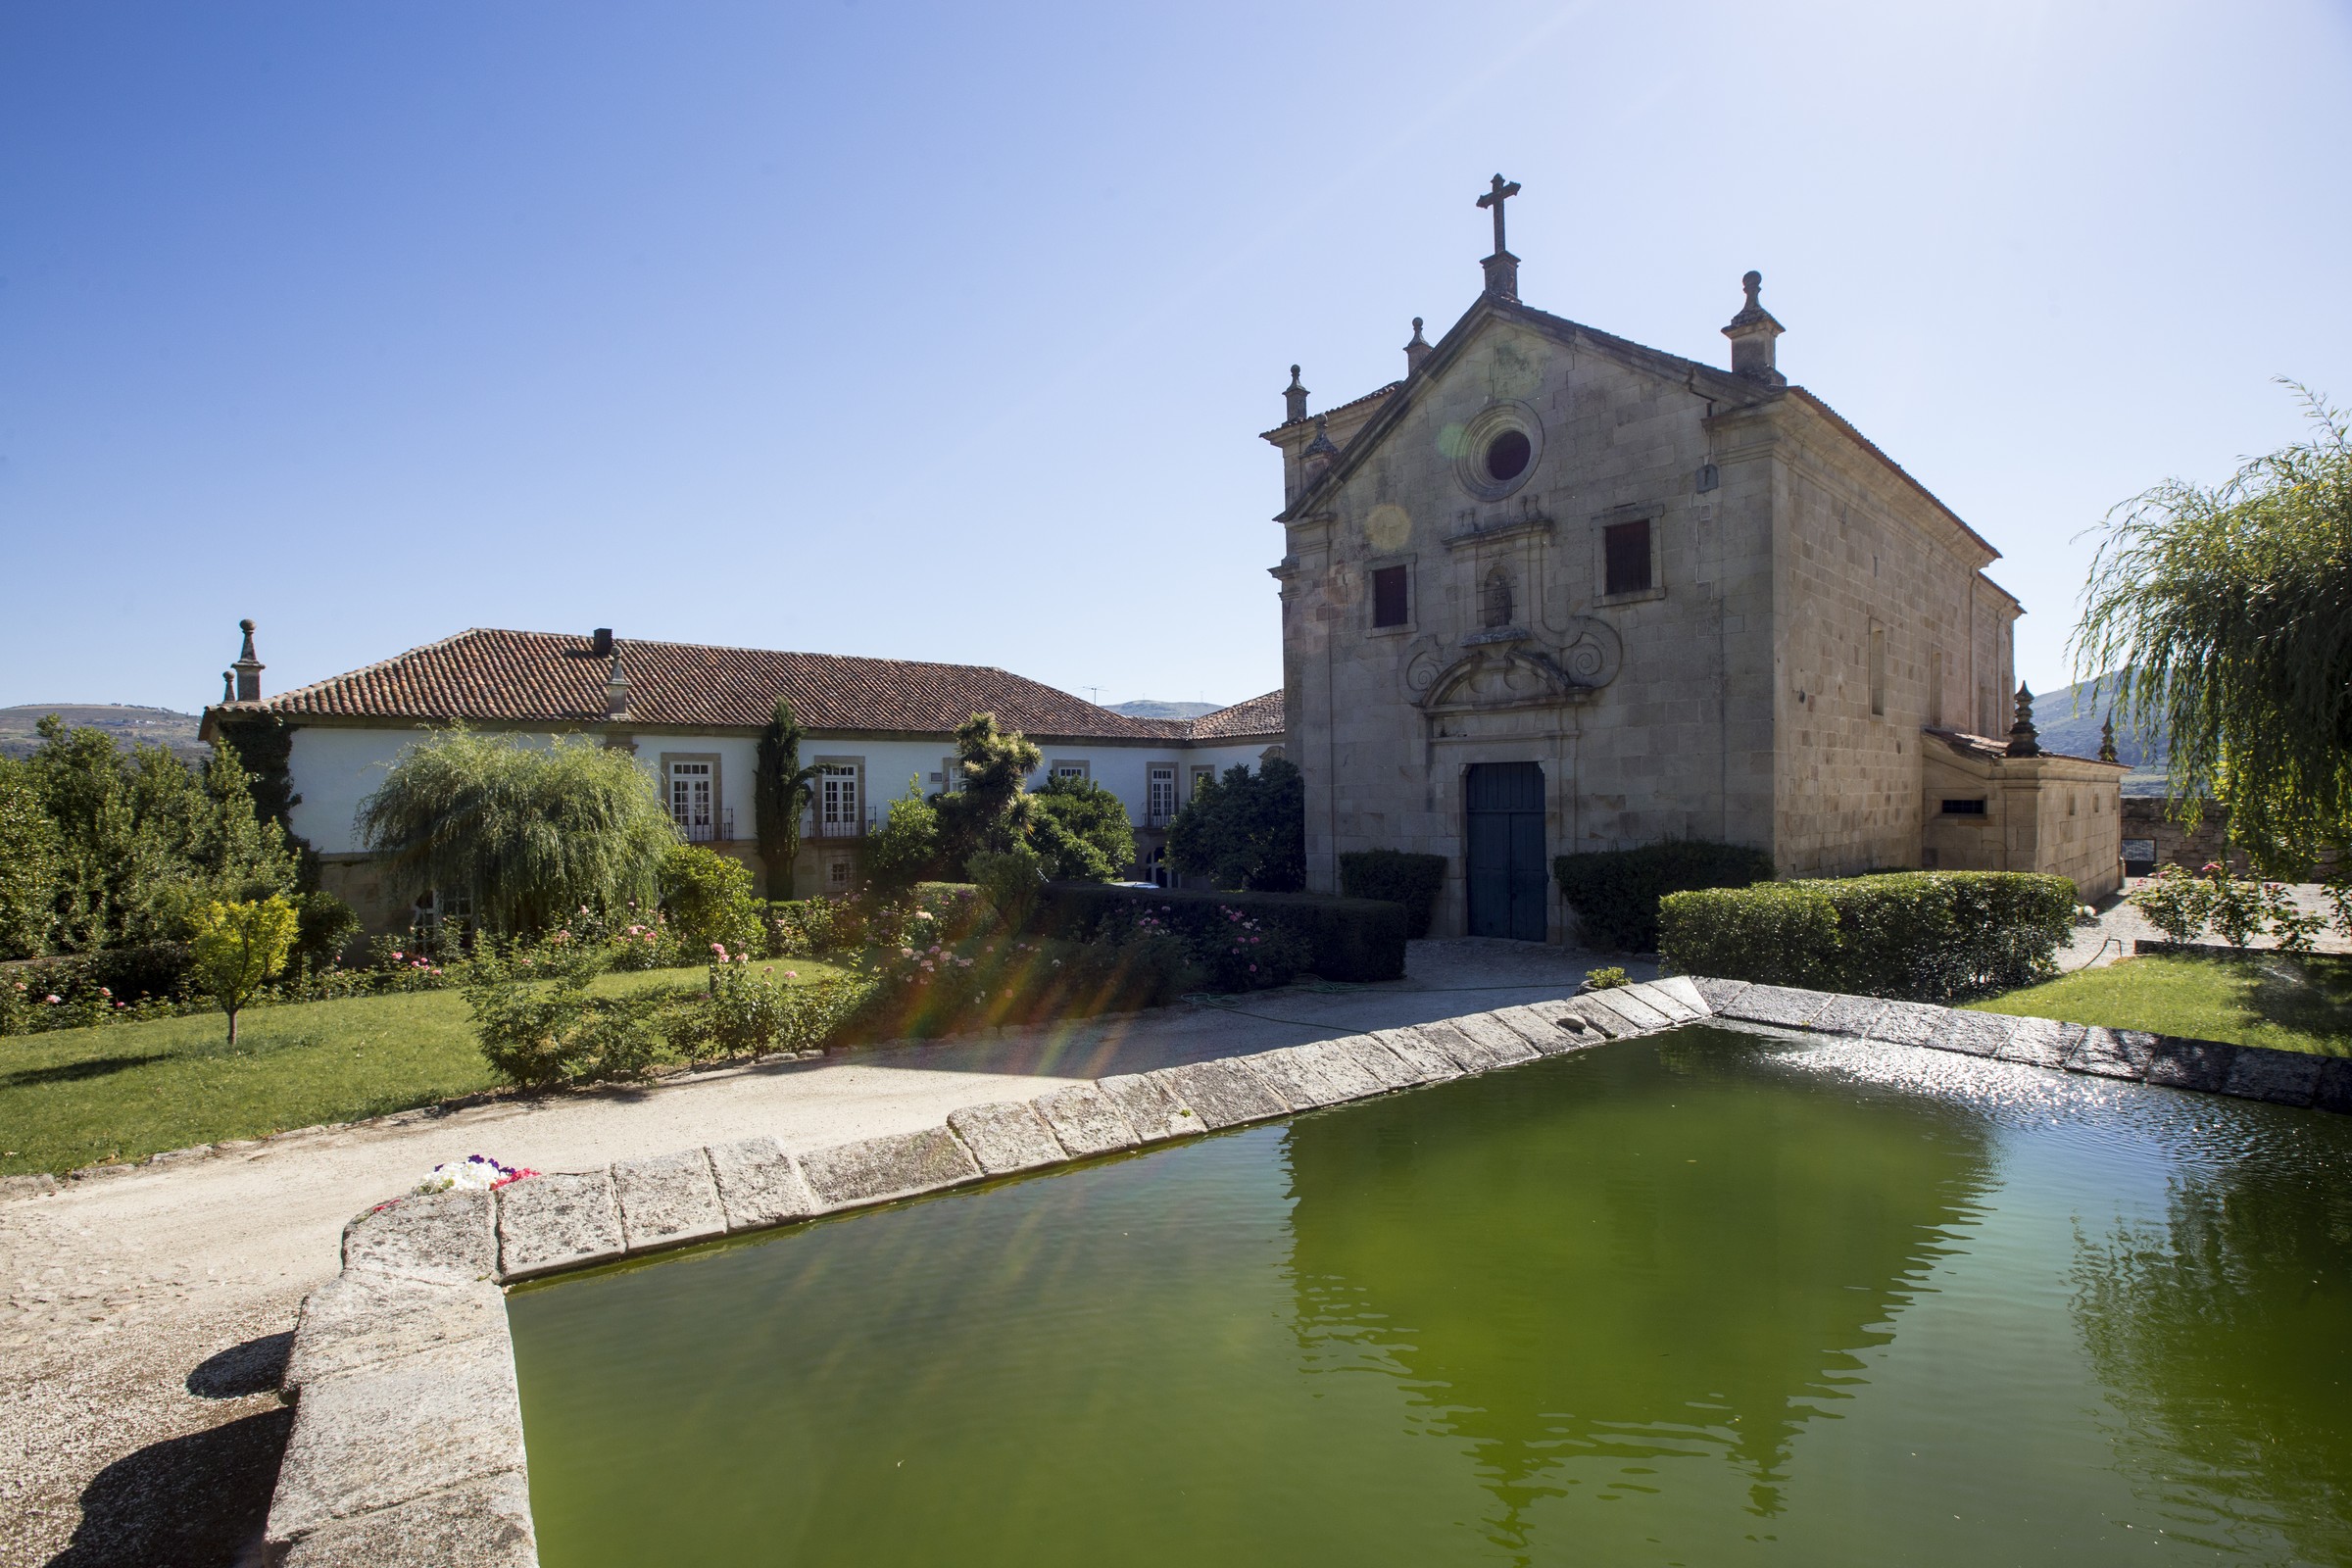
(1879, 601)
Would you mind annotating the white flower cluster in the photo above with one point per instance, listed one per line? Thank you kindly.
(475, 1172)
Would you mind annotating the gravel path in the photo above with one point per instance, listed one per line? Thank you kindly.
(147, 1313)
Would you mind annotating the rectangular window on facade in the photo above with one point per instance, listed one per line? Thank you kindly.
(1069, 771)
(951, 776)
(1390, 605)
(1877, 672)
(1624, 558)
(1964, 808)
(689, 800)
(1159, 794)
(839, 811)
(837, 876)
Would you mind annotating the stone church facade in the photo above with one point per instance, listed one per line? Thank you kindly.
(1556, 591)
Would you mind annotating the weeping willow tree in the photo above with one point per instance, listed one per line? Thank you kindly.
(2232, 609)
(533, 832)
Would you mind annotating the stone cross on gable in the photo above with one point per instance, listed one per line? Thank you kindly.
(1502, 191)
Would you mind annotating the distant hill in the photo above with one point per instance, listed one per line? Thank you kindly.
(157, 726)
(1150, 707)
(2068, 720)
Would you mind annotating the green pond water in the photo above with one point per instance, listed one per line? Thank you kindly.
(1707, 1297)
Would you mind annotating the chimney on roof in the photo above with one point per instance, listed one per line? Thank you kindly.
(249, 667)
(1752, 333)
(1294, 400)
(616, 691)
(599, 643)
(1417, 350)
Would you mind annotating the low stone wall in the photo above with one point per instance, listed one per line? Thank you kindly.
(2151, 838)
(408, 1444)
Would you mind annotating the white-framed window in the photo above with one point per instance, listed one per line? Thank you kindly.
(951, 776)
(837, 876)
(1070, 770)
(693, 796)
(840, 802)
(1160, 793)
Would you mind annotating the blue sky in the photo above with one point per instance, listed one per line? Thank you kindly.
(945, 332)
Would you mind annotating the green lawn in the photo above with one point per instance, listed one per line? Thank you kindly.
(2285, 1003)
(76, 1097)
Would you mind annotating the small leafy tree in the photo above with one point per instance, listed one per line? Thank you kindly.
(1245, 830)
(535, 832)
(991, 812)
(1082, 831)
(28, 865)
(236, 947)
(1010, 879)
(708, 898)
(781, 789)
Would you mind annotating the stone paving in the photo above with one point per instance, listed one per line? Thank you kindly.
(147, 1314)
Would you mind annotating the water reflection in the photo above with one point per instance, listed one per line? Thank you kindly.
(2220, 1331)
(1745, 1246)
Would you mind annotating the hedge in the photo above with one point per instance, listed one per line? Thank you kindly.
(1347, 938)
(1929, 936)
(1412, 880)
(1615, 892)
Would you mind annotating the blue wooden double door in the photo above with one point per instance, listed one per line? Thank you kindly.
(1509, 883)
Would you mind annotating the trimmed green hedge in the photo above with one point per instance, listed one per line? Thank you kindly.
(1400, 877)
(1929, 936)
(1615, 892)
(1347, 938)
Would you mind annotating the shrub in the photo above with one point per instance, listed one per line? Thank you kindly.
(1245, 830)
(151, 969)
(1615, 892)
(2234, 907)
(2174, 903)
(2297, 929)
(1009, 880)
(537, 1032)
(940, 988)
(1344, 939)
(904, 848)
(1931, 936)
(1412, 880)
(323, 925)
(708, 897)
(1609, 979)
(1082, 830)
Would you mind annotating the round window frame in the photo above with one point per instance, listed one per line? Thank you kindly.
(1470, 465)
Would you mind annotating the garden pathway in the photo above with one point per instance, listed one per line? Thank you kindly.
(2094, 946)
(146, 1313)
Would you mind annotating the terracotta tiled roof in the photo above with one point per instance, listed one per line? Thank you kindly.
(1260, 715)
(1373, 396)
(548, 677)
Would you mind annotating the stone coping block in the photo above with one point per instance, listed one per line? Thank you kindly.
(557, 1221)
(476, 1524)
(667, 1200)
(1465, 1052)
(1718, 994)
(360, 1319)
(1504, 1045)
(1221, 1092)
(2112, 1053)
(1685, 990)
(1907, 1023)
(2282, 1077)
(1155, 1114)
(1421, 1056)
(2201, 1064)
(1368, 1053)
(2038, 1042)
(1550, 1029)
(1782, 1007)
(1621, 1000)
(895, 1165)
(759, 1185)
(1846, 1015)
(1307, 1077)
(443, 1237)
(1611, 1024)
(396, 1432)
(1006, 1136)
(1085, 1120)
(1658, 999)
(2332, 1089)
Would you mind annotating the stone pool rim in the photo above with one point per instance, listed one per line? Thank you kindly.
(408, 1445)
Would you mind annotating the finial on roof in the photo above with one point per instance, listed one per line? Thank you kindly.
(1320, 452)
(616, 691)
(2107, 738)
(2022, 742)
(1417, 350)
(1501, 268)
(1294, 400)
(249, 667)
(228, 686)
(1752, 332)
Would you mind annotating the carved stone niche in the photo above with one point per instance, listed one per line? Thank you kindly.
(1514, 670)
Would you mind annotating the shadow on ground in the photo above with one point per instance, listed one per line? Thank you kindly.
(197, 1502)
